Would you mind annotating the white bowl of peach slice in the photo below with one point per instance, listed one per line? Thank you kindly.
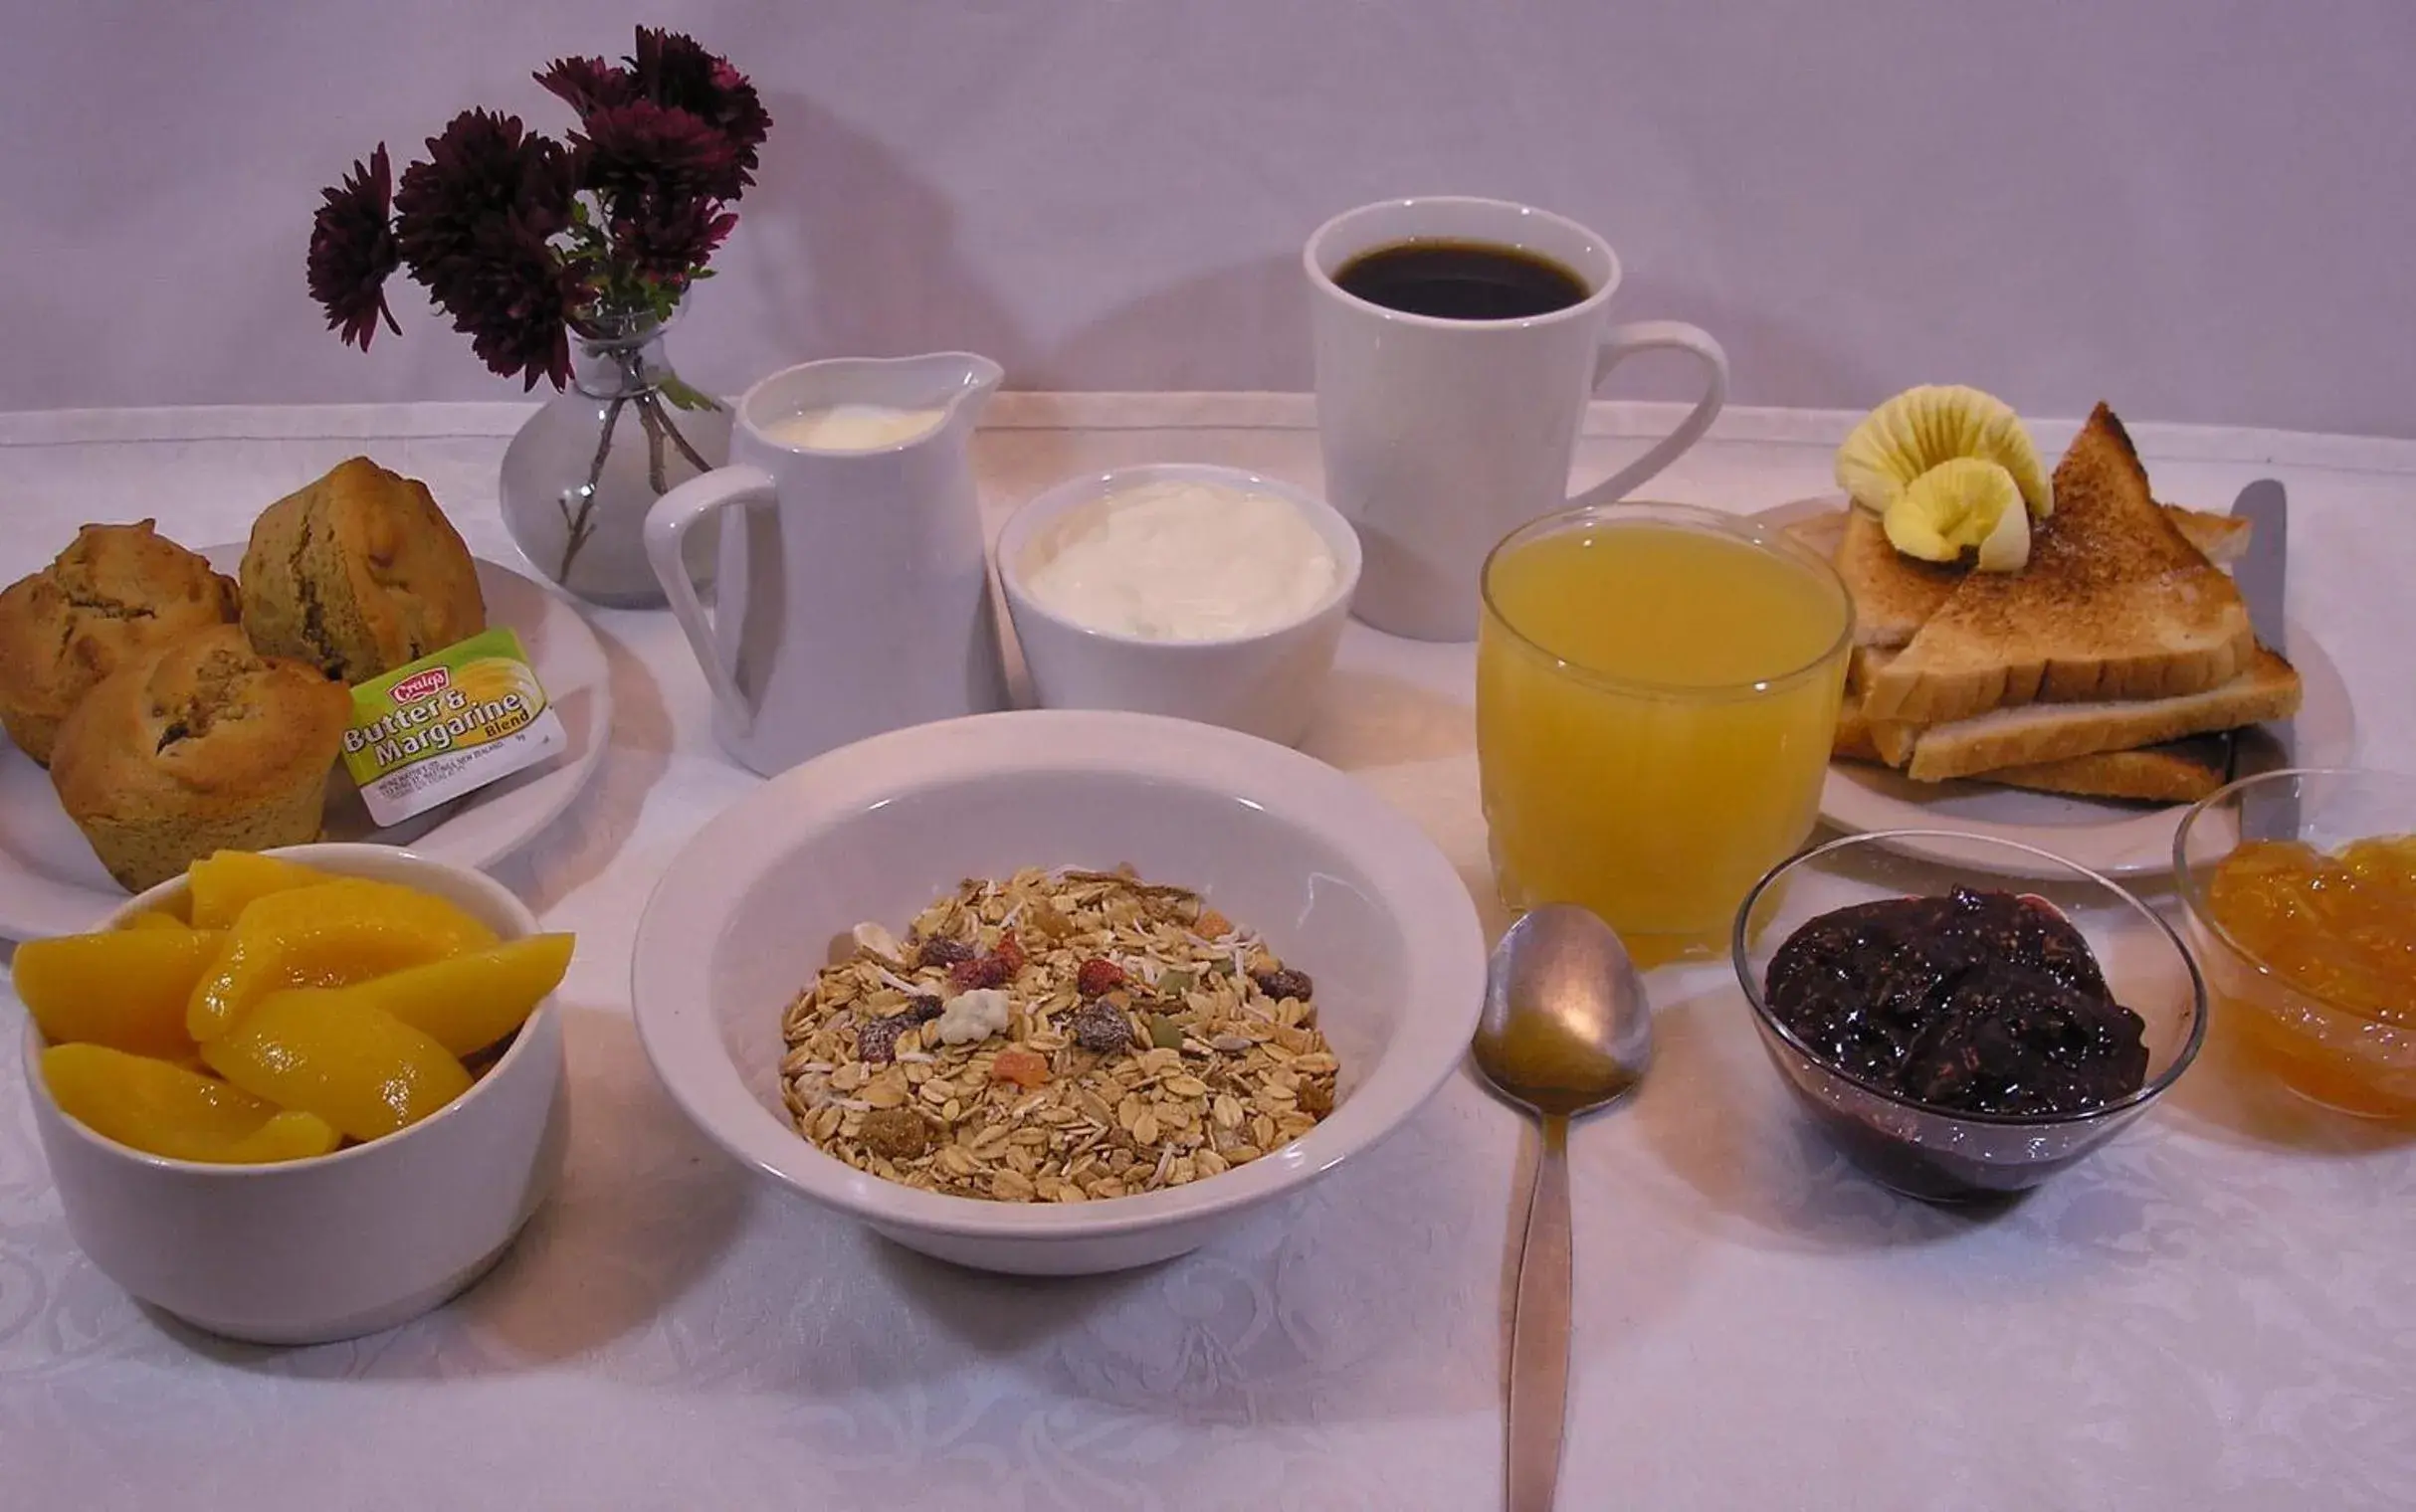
(301, 1095)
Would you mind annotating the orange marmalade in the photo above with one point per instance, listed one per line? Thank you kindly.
(2340, 928)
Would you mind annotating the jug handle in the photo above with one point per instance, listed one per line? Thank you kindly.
(667, 527)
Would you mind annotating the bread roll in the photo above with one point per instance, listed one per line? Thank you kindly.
(116, 592)
(201, 745)
(357, 574)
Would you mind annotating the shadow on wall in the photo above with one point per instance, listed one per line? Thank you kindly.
(1153, 342)
(855, 256)
(1768, 353)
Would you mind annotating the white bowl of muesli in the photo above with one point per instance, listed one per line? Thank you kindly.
(1056, 992)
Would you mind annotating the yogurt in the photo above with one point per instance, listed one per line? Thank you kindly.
(853, 427)
(1181, 560)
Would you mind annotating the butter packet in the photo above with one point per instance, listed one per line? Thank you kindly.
(448, 725)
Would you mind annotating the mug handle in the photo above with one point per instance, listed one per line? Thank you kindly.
(1624, 341)
(667, 527)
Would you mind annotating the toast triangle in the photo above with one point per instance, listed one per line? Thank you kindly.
(2116, 603)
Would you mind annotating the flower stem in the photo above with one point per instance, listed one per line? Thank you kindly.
(652, 422)
(582, 524)
(671, 429)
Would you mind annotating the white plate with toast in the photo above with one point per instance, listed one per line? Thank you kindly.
(52, 884)
(2115, 836)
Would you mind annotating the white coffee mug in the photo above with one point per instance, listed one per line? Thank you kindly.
(853, 595)
(1443, 435)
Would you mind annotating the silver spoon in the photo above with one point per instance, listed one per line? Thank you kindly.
(1566, 1029)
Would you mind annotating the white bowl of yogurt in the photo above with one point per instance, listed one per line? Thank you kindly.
(1200, 592)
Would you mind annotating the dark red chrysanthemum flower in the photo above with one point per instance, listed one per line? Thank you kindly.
(673, 69)
(483, 168)
(474, 222)
(668, 247)
(645, 154)
(514, 298)
(588, 83)
(353, 251)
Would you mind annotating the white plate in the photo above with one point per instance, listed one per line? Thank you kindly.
(2119, 839)
(52, 884)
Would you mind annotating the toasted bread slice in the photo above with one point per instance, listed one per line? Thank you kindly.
(2181, 771)
(2027, 734)
(2221, 539)
(1852, 741)
(2177, 772)
(1895, 594)
(2114, 604)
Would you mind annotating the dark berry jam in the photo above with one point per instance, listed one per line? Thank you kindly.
(1971, 1002)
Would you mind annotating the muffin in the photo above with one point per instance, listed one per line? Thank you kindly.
(116, 592)
(357, 574)
(201, 745)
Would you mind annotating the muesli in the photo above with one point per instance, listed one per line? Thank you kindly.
(1060, 1036)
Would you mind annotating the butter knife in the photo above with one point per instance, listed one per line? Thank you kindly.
(2269, 811)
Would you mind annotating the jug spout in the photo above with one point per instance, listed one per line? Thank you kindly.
(968, 379)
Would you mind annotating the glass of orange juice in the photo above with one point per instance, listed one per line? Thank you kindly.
(1657, 691)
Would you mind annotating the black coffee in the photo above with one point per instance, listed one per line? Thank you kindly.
(1461, 281)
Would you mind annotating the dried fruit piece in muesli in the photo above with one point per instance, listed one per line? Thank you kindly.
(943, 952)
(1023, 1067)
(1284, 983)
(994, 968)
(1100, 1028)
(1096, 977)
(876, 1040)
(896, 1133)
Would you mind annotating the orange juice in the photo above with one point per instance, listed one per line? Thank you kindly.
(1657, 689)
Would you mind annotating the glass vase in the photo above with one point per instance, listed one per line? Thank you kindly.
(581, 474)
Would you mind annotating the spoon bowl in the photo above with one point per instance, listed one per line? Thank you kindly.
(1565, 1027)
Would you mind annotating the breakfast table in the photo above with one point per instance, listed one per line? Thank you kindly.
(2215, 1311)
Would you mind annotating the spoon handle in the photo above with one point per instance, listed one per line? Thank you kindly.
(1539, 1330)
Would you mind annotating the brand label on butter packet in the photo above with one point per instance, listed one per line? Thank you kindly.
(448, 725)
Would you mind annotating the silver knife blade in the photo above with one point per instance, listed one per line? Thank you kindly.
(2270, 809)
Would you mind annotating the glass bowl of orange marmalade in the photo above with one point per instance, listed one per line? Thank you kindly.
(2301, 891)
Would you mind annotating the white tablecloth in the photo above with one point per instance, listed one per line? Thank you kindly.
(2217, 1311)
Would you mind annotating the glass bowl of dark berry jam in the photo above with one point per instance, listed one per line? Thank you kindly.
(1959, 1033)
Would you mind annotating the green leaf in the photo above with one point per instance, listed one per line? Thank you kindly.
(680, 392)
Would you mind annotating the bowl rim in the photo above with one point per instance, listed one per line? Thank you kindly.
(2188, 885)
(1739, 948)
(1070, 493)
(1747, 529)
(331, 856)
(679, 934)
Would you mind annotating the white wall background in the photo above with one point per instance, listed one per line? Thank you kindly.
(2201, 210)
